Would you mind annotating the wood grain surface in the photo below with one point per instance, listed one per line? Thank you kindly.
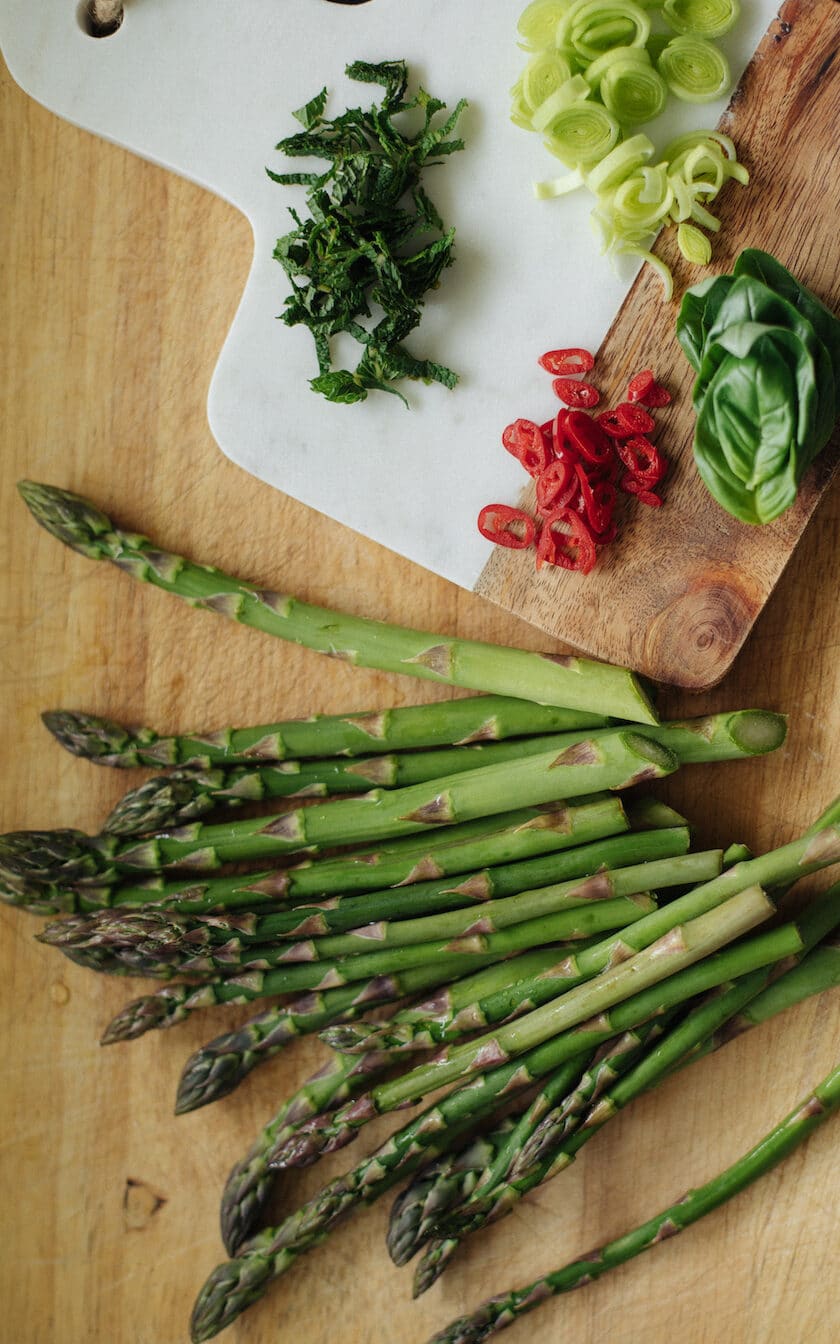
(119, 283)
(677, 594)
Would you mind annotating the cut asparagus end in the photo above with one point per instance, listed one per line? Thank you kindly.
(757, 731)
(73, 520)
(655, 760)
(649, 814)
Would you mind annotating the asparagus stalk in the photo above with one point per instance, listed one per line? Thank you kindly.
(431, 1023)
(221, 1065)
(575, 683)
(183, 795)
(155, 936)
(268, 975)
(250, 1183)
(173, 928)
(615, 761)
(735, 1006)
(680, 948)
(404, 861)
(236, 1285)
(485, 718)
(501, 1311)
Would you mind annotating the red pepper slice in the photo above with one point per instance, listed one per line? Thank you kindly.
(642, 459)
(576, 393)
(626, 420)
(565, 540)
(556, 486)
(586, 438)
(598, 501)
(656, 395)
(639, 384)
(565, 362)
(527, 443)
(631, 485)
(507, 526)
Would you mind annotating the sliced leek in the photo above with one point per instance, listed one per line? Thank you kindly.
(538, 23)
(582, 134)
(591, 27)
(544, 74)
(694, 245)
(705, 18)
(633, 92)
(694, 69)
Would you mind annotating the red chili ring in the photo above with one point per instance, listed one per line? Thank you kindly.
(495, 522)
(577, 394)
(573, 549)
(565, 362)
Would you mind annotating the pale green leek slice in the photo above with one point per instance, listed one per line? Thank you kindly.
(544, 74)
(559, 186)
(596, 69)
(620, 163)
(642, 201)
(705, 18)
(538, 23)
(694, 69)
(582, 134)
(550, 112)
(657, 264)
(633, 92)
(694, 245)
(520, 112)
(591, 27)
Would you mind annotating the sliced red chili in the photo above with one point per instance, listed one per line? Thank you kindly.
(527, 443)
(566, 540)
(639, 384)
(631, 485)
(626, 420)
(586, 438)
(556, 485)
(598, 501)
(656, 395)
(576, 393)
(565, 362)
(642, 459)
(507, 526)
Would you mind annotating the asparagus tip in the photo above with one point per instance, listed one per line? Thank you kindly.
(69, 517)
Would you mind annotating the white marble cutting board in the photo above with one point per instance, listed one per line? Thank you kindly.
(206, 88)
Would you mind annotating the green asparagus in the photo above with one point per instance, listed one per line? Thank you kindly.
(575, 683)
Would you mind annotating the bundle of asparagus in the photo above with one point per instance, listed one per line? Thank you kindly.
(579, 982)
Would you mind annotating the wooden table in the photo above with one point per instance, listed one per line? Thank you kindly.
(119, 283)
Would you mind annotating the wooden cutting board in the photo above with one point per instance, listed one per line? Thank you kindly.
(679, 592)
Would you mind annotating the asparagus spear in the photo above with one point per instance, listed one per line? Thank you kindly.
(681, 947)
(735, 1006)
(173, 1003)
(485, 718)
(347, 912)
(503, 1310)
(221, 1065)
(186, 795)
(404, 861)
(155, 935)
(575, 683)
(432, 1023)
(249, 1185)
(615, 761)
(236, 1285)
(183, 795)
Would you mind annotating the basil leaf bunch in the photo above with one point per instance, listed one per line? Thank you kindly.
(767, 395)
(373, 242)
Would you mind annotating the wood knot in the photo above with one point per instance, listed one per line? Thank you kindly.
(140, 1204)
(693, 641)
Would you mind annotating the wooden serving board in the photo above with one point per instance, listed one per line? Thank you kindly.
(677, 594)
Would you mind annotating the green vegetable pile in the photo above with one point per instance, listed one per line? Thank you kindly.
(553, 939)
(599, 69)
(767, 357)
(374, 241)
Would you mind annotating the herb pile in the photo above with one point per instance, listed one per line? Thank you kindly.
(373, 242)
(767, 357)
